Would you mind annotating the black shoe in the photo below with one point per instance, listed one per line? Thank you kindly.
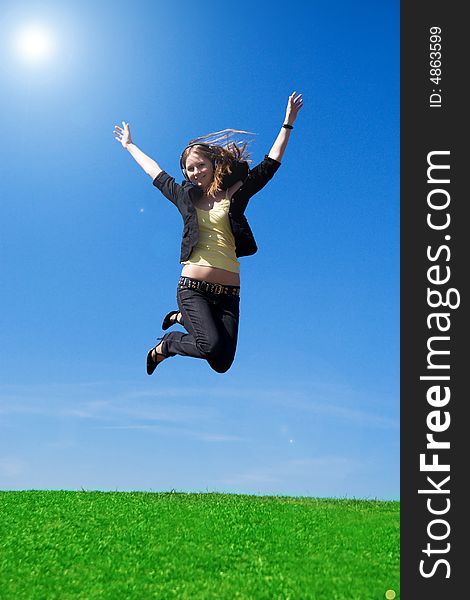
(168, 321)
(152, 362)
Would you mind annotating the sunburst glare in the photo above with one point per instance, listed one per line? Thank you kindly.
(34, 44)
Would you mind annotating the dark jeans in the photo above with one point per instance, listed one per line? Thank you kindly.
(211, 321)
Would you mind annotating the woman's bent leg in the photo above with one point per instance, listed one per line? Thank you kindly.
(227, 313)
(203, 338)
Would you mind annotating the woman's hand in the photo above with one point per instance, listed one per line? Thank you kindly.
(123, 134)
(294, 104)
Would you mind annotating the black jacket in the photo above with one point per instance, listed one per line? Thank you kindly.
(183, 195)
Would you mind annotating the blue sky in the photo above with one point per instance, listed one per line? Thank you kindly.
(89, 250)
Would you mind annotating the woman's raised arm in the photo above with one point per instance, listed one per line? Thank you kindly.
(294, 104)
(123, 135)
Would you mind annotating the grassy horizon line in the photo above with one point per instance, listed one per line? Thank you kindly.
(197, 545)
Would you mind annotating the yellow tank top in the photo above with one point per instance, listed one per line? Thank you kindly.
(216, 245)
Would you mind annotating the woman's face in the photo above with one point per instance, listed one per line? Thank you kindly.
(199, 169)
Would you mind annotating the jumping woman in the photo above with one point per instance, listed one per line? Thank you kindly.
(212, 201)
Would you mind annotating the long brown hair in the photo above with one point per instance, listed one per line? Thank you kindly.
(221, 148)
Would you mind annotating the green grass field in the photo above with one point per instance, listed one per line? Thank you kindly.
(121, 545)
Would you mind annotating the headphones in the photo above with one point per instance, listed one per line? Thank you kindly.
(183, 168)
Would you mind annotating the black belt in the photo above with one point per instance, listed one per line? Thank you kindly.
(207, 286)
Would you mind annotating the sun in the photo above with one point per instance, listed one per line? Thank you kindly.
(34, 43)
